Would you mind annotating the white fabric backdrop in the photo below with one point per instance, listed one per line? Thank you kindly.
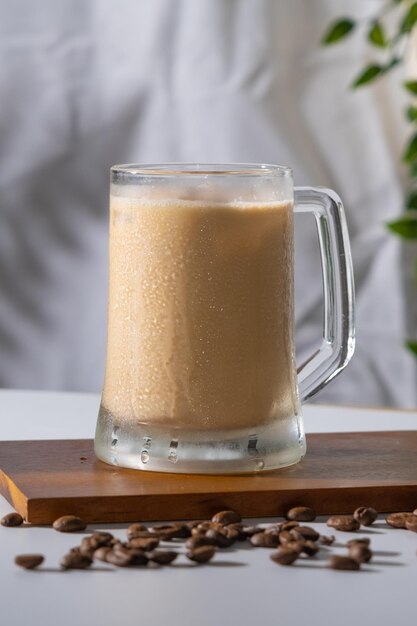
(88, 83)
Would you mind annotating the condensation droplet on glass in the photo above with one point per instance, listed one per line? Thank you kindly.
(144, 456)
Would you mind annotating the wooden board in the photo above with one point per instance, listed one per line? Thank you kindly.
(46, 479)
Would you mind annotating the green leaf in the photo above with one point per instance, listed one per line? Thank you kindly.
(338, 30)
(412, 346)
(411, 113)
(411, 202)
(405, 226)
(377, 35)
(410, 153)
(367, 75)
(412, 168)
(410, 19)
(411, 86)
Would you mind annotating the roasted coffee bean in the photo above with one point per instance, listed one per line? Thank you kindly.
(226, 517)
(411, 523)
(365, 515)
(221, 540)
(363, 541)
(415, 512)
(301, 514)
(69, 524)
(101, 553)
(166, 532)
(12, 519)
(360, 553)
(162, 557)
(327, 540)
(76, 560)
(144, 543)
(284, 556)
(305, 532)
(273, 528)
(203, 527)
(119, 559)
(342, 563)
(196, 541)
(265, 540)
(294, 545)
(251, 530)
(193, 524)
(285, 536)
(397, 520)
(288, 525)
(141, 534)
(102, 538)
(233, 533)
(310, 548)
(135, 528)
(138, 557)
(201, 554)
(29, 561)
(345, 523)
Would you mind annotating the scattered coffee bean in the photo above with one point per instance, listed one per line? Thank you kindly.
(288, 525)
(166, 532)
(251, 530)
(234, 534)
(345, 523)
(364, 541)
(360, 553)
(139, 557)
(119, 559)
(12, 519)
(397, 520)
(295, 545)
(135, 528)
(411, 523)
(301, 514)
(91, 543)
(29, 561)
(197, 541)
(221, 540)
(275, 529)
(162, 557)
(265, 540)
(201, 554)
(226, 517)
(75, 560)
(342, 563)
(144, 543)
(101, 553)
(309, 547)
(284, 556)
(69, 524)
(286, 536)
(305, 532)
(193, 523)
(415, 512)
(365, 515)
(327, 540)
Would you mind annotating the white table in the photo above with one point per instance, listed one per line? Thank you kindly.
(241, 587)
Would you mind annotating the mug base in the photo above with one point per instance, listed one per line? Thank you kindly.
(151, 448)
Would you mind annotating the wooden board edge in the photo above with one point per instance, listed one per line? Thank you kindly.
(116, 509)
(13, 495)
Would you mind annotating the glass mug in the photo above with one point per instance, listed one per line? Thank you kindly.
(200, 373)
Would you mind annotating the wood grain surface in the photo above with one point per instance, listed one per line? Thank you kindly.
(46, 479)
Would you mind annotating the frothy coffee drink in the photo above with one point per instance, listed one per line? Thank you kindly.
(200, 317)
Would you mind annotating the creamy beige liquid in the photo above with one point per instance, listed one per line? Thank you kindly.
(201, 314)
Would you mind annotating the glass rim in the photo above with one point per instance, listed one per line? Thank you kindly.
(163, 170)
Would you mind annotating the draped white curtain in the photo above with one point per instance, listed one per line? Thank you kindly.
(88, 83)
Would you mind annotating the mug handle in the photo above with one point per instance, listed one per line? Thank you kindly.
(338, 342)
